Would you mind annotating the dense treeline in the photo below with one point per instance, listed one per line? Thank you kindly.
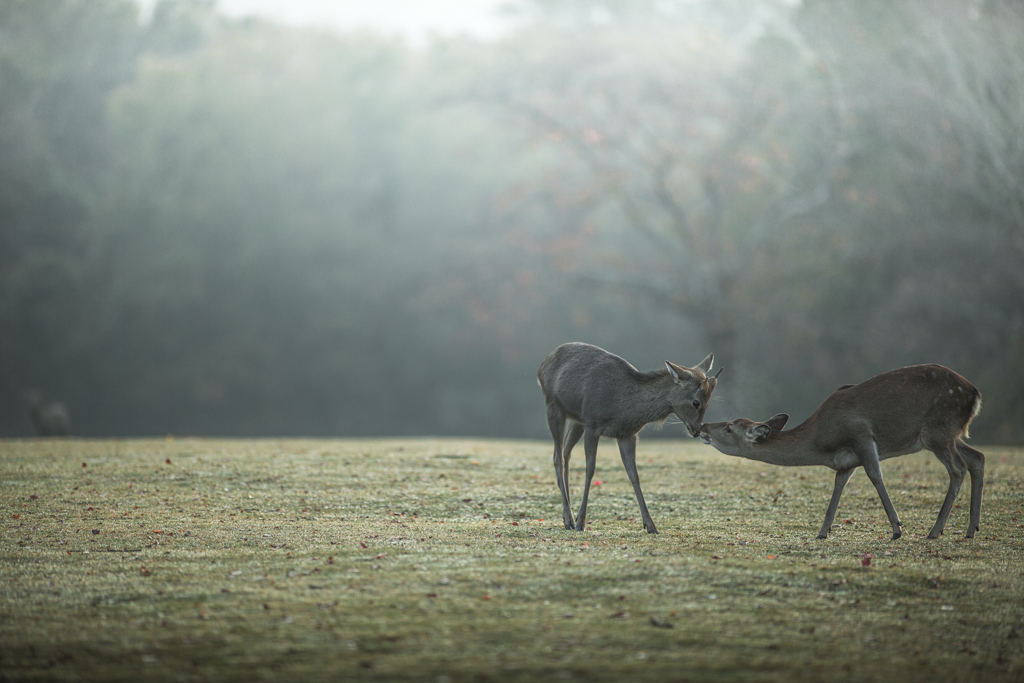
(232, 227)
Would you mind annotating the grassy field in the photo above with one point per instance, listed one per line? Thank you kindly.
(445, 560)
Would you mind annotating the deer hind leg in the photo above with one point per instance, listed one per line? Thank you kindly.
(975, 461)
(627, 449)
(842, 476)
(950, 458)
(869, 458)
(590, 441)
(556, 423)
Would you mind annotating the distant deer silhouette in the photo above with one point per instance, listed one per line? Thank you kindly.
(49, 418)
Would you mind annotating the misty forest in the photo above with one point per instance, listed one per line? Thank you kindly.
(214, 226)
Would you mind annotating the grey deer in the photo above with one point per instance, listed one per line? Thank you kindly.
(49, 418)
(595, 393)
(895, 413)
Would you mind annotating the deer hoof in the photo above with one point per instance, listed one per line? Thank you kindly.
(822, 537)
(896, 534)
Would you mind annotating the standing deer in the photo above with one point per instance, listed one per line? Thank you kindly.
(599, 394)
(898, 412)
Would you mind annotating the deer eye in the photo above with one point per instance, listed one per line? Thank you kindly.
(728, 430)
(696, 404)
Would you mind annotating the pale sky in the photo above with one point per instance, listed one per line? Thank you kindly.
(413, 19)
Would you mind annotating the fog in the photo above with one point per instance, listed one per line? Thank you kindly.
(413, 20)
(235, 221)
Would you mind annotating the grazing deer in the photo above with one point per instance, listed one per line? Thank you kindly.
(599, 394)
(898, 412)
(48, 418)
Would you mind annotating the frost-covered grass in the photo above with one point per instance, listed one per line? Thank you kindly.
(446, 560)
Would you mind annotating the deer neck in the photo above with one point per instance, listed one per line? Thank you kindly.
(794, 448)
(649, 406)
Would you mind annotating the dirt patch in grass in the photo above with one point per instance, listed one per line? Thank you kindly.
(446, 560)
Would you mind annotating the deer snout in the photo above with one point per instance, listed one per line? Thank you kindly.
(705, 435)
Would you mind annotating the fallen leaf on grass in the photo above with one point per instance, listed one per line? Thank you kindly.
(655, 621)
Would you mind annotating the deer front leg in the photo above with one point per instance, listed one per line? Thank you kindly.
(842, 476)
(869, 457)
(627, 449)
(590, 441)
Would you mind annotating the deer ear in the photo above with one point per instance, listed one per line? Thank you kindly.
(777, 422)
(679, 373)
(705, 365)
(759, 432)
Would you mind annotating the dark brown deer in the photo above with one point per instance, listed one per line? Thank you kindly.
(596, 393)
(898, 412)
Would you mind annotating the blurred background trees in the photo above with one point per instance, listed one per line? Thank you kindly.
(222, 227)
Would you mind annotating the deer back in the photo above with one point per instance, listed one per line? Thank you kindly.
(902, 407)
(607, 394)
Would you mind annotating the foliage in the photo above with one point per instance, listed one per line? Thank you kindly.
(231, 227)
